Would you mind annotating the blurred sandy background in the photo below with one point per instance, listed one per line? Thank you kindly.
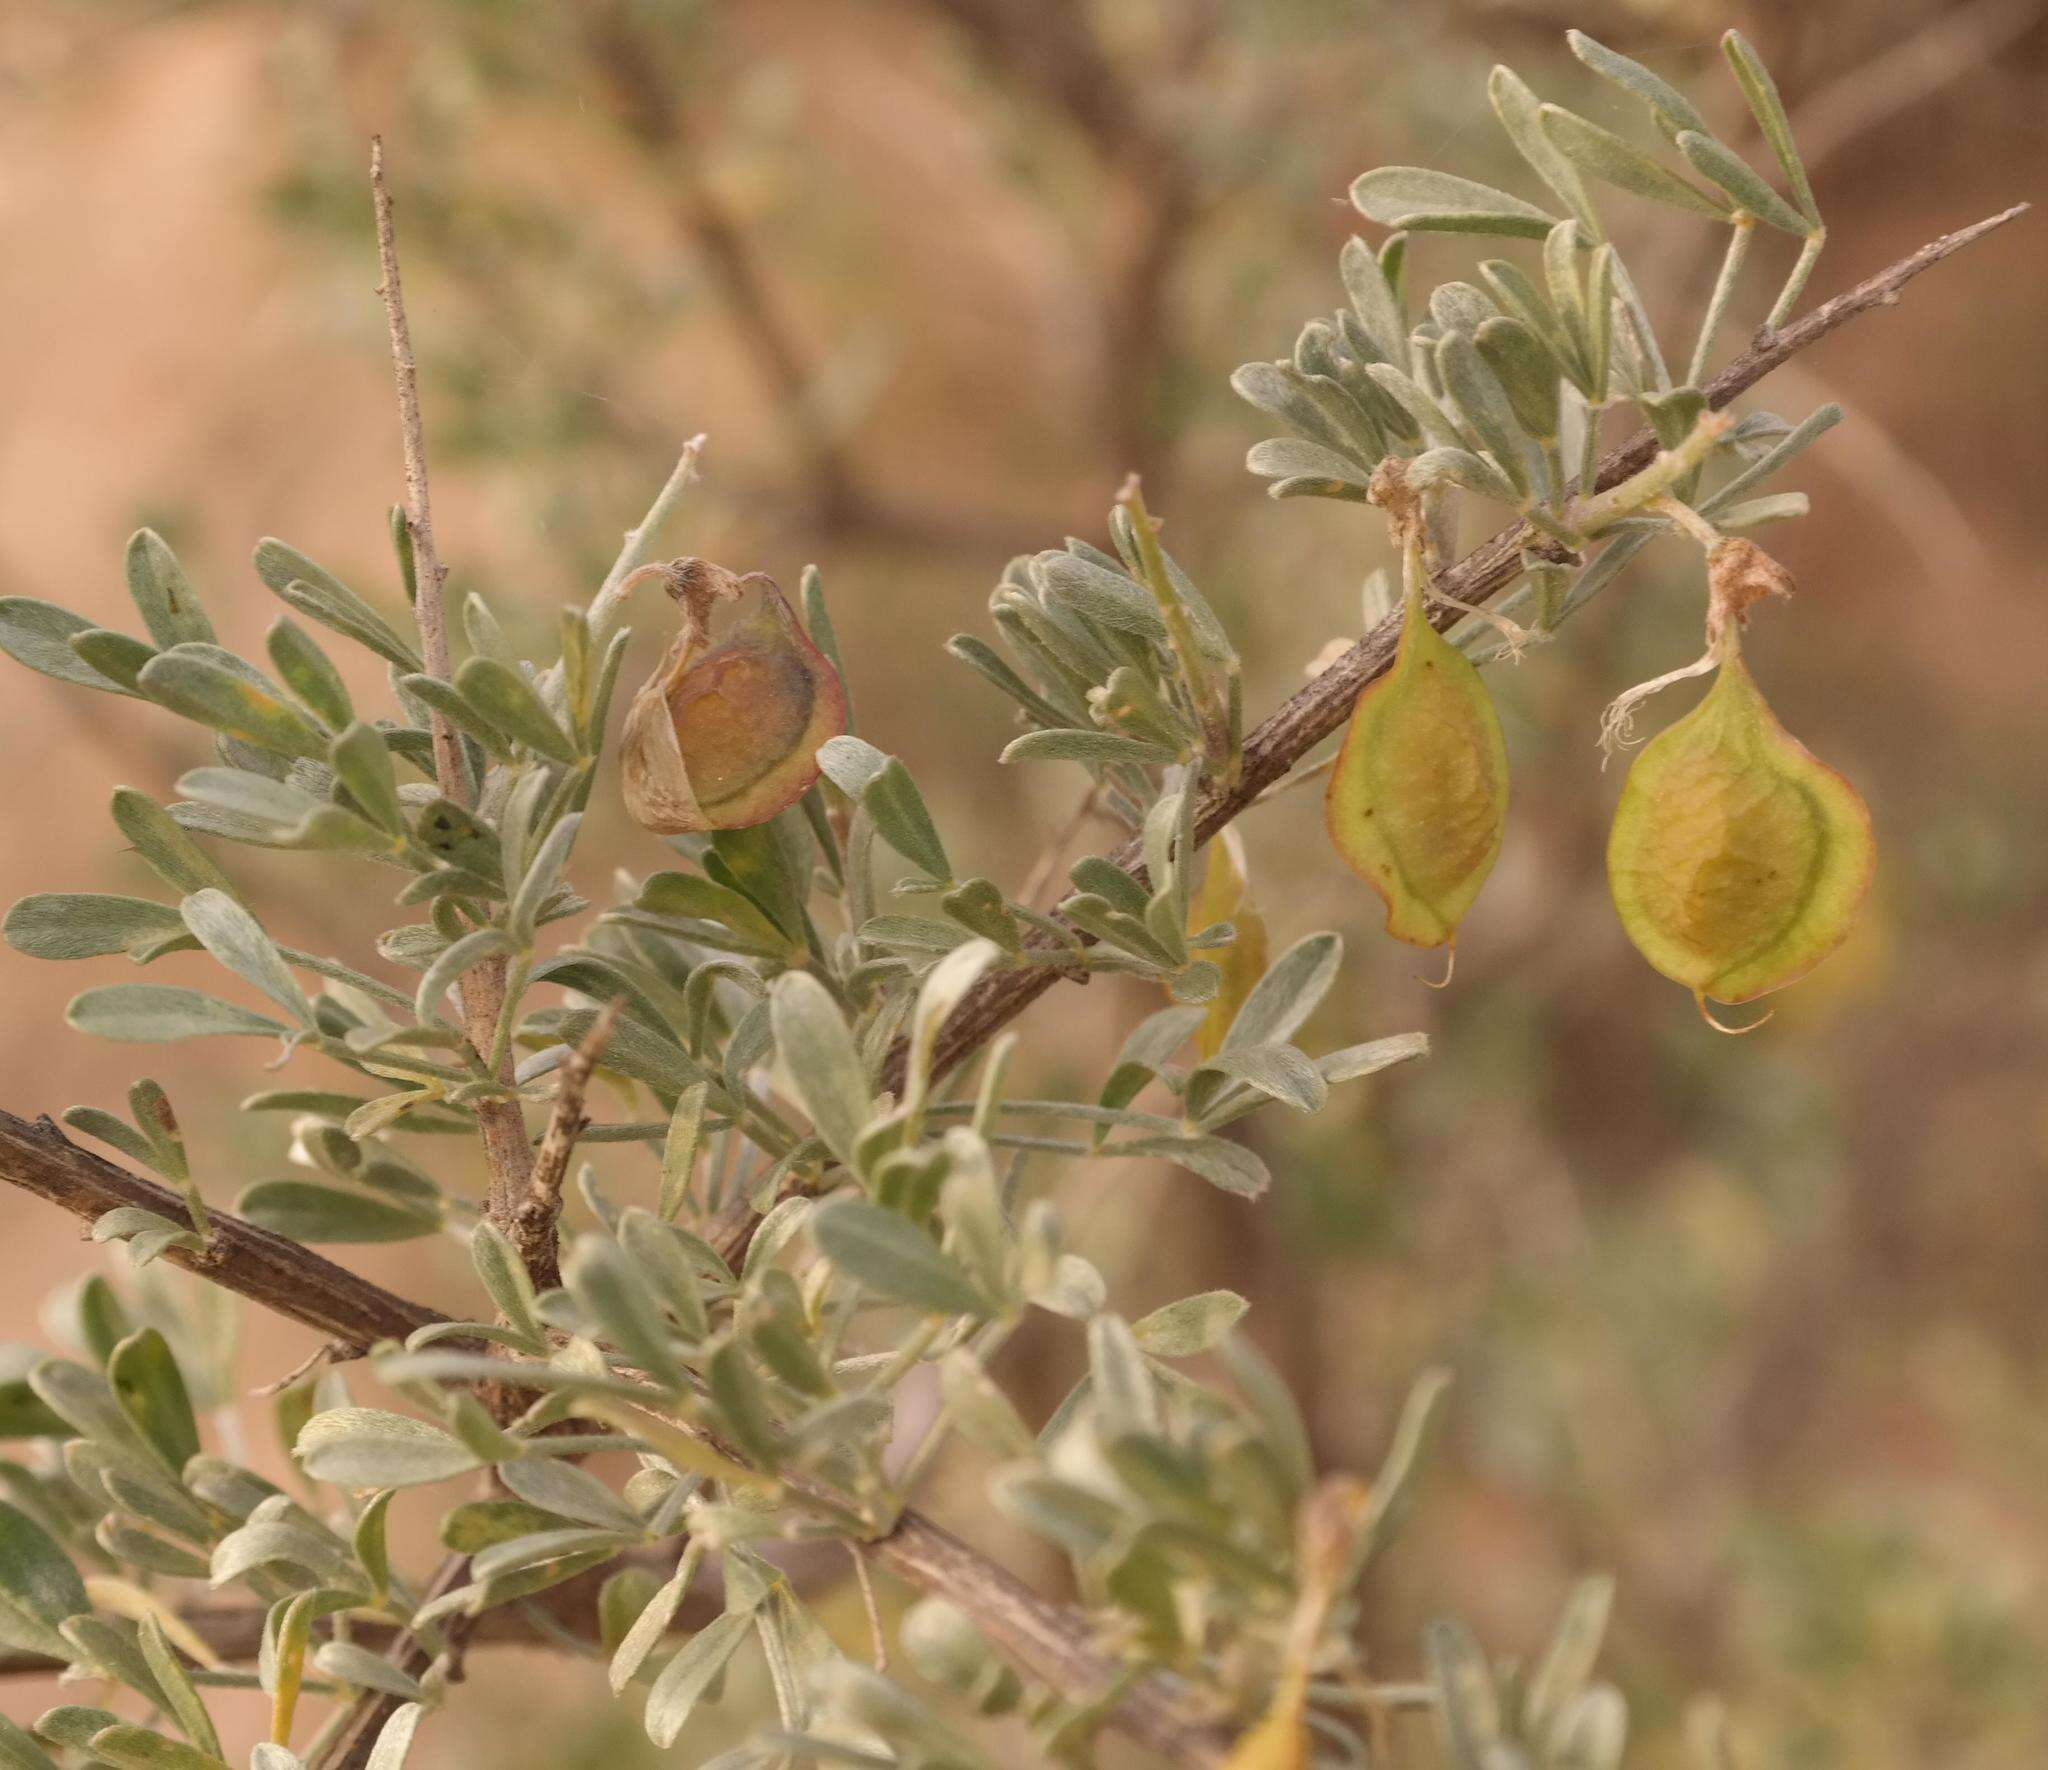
(1757, 1325)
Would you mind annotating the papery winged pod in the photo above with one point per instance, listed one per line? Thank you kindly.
(725, 734)
(1418, 799)
(1737, 860)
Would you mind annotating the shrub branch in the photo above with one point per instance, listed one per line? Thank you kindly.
(482, 989)
(1317, 709)
(1050, 1640)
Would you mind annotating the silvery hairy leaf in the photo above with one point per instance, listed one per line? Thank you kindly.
(368, 1447)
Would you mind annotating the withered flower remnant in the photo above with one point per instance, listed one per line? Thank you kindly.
(725, 734)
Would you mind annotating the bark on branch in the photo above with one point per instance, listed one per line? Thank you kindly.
(266, 1268)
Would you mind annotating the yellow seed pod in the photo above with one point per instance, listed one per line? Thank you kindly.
(725, 735)
(1737, 860)
(1418, 799)
(1226, 896)
(1280, 1741)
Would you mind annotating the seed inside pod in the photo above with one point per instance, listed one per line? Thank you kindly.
(725, 733)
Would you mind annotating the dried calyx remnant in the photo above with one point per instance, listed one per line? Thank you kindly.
(1737, 860)
(725, 733)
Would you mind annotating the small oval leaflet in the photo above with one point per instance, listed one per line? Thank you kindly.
(1418, 799)
(1737, 860)
(725, 734)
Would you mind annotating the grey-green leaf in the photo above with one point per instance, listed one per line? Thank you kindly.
(237, 940)
(164, 848)
(686, 1677)
(18, 1751)
(603, 1279)
(306, 1211)
(319, 595)
(1276, 1070)
(127, 1747)
(1566, 1668)
(1373, 300)
(198, 686)
(504, 1276)
(1468, 1707)
(1734, 175)
(87, 925)
(394, 1743)
(150, 1390)
(147, 1012)
(1527, 372)
(1477, 394)
(1093, 749)
(1290, 457)
(163, 595)
(362, 761)
(821, 1060)
(894, 1258)
(649, 1627)
(1461, 468)
(1293, 986)
(117, 656)
(365, 1670)
(1229, 1166)
(1392, 194)
(38, 634)
(309, 673)
(505, 697)
(900, 817)
(176, 1683)
(1519, 112)
(451, 962)
(1606, 156)
(38, 1582)
(1193, 1325)
(367, 1447)
(1672, 109)
(1761, 93)
(568, 1492)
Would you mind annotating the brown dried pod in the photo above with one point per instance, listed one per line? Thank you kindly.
(725, 734)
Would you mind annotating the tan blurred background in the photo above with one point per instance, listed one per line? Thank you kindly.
(1759, 1325)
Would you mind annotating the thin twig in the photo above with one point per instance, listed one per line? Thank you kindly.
(280, 1274)
(876, 1633)
(482, 988)
(336, 1350)
(1047, 867)
(429, 573)
(501, 1125)
(639, 541)
(533, 1223)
